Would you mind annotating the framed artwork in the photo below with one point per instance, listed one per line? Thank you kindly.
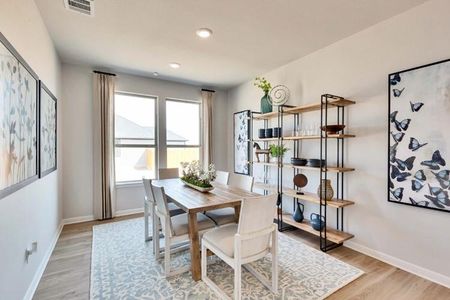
(19, 93)
(419, 139)
(47, 125)
(241, 138)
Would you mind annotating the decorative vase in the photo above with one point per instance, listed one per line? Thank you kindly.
(317, 222)
(298, 214)
(266, 107)
(325, 185)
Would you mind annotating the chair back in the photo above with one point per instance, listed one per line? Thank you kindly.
(257, 214)
(241, 181)
(148, 190)
(222, 177)
(162, 208)
(168, 173)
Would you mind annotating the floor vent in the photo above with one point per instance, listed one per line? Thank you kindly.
(85, 7)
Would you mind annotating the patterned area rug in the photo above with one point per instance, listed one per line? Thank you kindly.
(123, 267)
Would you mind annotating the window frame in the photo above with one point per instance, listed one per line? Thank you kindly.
(200, 127)
(144, 146)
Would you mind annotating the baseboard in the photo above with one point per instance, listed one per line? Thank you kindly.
(78, 220)
(40, 271)
(401, 264)
(132, 211)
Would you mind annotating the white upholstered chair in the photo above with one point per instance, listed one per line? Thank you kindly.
(222, 177)
(149, 211)
(240, 244)
(175, 230)
(168, 173)
(227, 215)
(241, 181)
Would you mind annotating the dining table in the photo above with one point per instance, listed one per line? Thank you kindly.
(193, 201)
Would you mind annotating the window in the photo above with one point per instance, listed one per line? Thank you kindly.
(183, 131)
(135, 132)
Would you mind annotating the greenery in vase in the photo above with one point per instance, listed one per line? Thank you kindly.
(277, 151)
(263, 84)
(194, 174)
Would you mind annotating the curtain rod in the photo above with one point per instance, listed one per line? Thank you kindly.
(100, 72)
(206, 90)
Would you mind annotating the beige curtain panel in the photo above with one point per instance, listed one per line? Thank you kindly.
(103, 119)
(207, 138)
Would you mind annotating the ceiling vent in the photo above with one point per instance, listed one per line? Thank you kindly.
(85, 7)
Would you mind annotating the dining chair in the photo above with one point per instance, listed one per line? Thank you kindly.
(240, 244)
(222, 177)
(175, 229)
(227, 215)
(149, 211)
(168, 173)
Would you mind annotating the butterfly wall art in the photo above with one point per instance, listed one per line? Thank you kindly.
(241, 127)
(419, 138)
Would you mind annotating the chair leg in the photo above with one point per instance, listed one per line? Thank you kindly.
(167, 256)
(204, 262)
(237, 282)
(274, 252)
(146, 237)
(156, 241)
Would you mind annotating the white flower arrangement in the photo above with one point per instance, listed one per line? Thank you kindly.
(194, 174)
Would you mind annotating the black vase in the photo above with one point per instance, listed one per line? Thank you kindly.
(298, 214)
(261, 133)
(277, 132)
(268, 132)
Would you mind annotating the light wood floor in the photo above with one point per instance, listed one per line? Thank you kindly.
(68, 271)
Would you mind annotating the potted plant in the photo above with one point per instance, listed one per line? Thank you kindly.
(265, 86)
(197, 178)
(277, 152)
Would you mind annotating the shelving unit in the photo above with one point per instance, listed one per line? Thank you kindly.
(330, 238)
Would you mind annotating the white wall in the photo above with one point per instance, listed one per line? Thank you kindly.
(77, 139)
(357, 68)
(34, 212)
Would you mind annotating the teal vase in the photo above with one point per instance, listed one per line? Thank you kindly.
(266, 107)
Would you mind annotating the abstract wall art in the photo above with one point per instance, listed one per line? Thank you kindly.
(241, 128)
(47, 142)
(18, 121)
(419, 136)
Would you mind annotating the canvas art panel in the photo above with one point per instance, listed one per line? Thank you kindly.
(18, 120)
(47, 131)
(419, 139)
(241, 127)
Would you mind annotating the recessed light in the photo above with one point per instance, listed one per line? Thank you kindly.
(174, 65)
(204, 33)
(155, 74)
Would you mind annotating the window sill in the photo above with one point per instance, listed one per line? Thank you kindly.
(128, 184)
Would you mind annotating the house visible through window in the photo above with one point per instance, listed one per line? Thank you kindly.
(135, 132)
(183, 131)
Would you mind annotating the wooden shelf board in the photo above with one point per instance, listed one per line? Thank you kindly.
(333, 235)
(329, 169)
(304, 108)
(304, 137)
(310, 197)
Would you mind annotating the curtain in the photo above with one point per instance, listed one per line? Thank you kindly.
(207, 115)
(103, 121)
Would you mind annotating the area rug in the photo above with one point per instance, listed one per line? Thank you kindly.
(123, 267)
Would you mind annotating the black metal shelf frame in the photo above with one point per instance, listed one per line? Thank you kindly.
(325, 244)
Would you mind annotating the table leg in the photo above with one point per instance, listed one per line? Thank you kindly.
(195, 247)
(237, 213)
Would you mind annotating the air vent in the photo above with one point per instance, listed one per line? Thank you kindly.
(85, 7)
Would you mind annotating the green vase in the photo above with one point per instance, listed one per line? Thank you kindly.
(266, 107)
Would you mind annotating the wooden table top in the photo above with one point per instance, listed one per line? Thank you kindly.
(191, 200)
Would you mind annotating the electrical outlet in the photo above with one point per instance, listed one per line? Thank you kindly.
(34, 246)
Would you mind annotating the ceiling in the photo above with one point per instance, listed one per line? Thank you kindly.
(250, 36)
